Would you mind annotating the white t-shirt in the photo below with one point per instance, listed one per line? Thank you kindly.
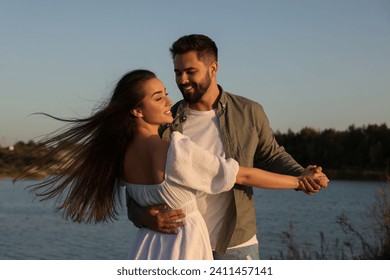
(202, 127)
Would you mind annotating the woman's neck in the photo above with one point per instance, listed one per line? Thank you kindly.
(146, 131)
(145, 138)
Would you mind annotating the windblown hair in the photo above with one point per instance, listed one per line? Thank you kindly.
(85, 184)
(205, 48)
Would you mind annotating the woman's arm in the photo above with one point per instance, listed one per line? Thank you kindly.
(263, 179)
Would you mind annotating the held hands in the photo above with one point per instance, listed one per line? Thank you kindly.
(312, 180)
(160, 218)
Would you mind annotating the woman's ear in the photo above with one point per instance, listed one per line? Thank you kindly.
(137, 113)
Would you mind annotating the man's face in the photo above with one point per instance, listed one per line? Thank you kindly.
(192, 76)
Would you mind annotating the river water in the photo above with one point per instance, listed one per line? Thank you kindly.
(30, 229)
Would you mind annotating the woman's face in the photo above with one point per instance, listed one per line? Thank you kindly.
(156, 106)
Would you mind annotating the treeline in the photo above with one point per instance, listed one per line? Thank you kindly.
(360, 153)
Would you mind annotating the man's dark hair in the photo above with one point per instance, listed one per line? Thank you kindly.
(203, 45)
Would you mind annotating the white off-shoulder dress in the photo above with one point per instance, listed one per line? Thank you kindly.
(188, 169)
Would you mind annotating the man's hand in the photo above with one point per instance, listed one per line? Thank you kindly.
(160, 218)
(313, 180)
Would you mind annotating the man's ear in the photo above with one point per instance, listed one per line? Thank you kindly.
(137, 113)
(214, 68)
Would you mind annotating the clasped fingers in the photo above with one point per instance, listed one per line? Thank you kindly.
(309, 186)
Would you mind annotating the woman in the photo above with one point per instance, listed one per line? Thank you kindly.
(119, 146)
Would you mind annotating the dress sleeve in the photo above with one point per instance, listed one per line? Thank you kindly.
(190, 165)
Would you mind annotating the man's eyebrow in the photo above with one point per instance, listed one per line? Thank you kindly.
(186, 69)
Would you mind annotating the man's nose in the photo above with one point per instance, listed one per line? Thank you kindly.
(182, 79)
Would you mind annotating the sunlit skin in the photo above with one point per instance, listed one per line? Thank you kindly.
(146, 146)
(197, 77)
(155, 109)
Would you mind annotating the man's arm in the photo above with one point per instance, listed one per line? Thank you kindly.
(156, 217)
(269, 154)
(273, 157)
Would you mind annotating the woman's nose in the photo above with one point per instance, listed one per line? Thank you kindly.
(169, 101)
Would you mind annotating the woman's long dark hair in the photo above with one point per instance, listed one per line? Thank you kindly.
(91, 150)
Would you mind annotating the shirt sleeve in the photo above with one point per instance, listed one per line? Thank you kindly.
(269, 154)
(190, 165)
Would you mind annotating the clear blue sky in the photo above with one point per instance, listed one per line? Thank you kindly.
(316, 63)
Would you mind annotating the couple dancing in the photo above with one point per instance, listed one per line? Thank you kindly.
(209, 205)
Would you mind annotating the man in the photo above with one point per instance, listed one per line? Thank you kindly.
(227, 125)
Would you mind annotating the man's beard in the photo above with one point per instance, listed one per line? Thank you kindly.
(198, 90)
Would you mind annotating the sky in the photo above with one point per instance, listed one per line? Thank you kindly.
(309, 63)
